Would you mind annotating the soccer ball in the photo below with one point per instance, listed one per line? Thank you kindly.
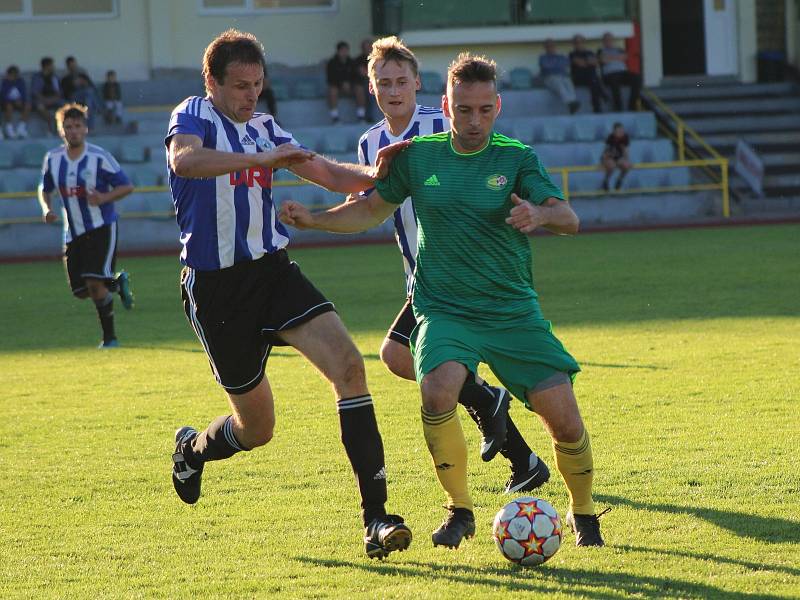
(527, 531)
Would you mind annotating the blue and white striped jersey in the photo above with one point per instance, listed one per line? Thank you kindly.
(425, 121)
(95, 169)
(230, 218)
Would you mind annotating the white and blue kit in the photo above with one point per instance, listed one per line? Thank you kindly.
(94, 169)
(239, 288)
(229, 218)
(425, 121)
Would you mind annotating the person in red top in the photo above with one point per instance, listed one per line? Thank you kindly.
(615, 156)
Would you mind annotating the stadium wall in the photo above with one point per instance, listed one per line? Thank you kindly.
(153, 34)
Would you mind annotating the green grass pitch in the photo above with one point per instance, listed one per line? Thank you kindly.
(689, 342)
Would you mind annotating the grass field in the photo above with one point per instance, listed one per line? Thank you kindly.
(690, 343)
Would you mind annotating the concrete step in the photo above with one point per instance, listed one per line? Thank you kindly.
(737, 107)
(725, 92)
(760, 123)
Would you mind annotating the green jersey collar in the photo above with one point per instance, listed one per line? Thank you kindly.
(456, 152)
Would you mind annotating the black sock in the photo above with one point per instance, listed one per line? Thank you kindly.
(364, 447)
(217, 442)
(475, 398)
(105, 311)
(516, 449)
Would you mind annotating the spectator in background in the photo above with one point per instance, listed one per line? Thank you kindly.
(69, 83)
(615, 156)
(14, 97)
(362, 71)
(342, 77)
(554, 69)
(616, 74)
(112, 98)
(583, 64)
(86, 95)
(46, 92)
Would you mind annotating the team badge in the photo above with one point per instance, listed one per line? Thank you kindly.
(87, 174)
(496, 182)
(263, 144)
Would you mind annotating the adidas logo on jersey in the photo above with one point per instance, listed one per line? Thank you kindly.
(247, 141)
(380, 474)
(432, 180)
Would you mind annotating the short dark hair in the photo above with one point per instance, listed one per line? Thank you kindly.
(110, 73)
(469, 68)
(46, 62)
(341, 45)
(12, 70)
(71, 111)
(617, 124)
(232, 46)
(391, 48)
(70, 59)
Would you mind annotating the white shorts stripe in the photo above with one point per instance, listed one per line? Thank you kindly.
(293, 319)
(198, 329)
(112, 244)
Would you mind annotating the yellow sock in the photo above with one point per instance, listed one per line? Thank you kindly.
(574, 462)
(448, 448)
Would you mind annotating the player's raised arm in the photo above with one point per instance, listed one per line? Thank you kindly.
(188, 158)
(349, 217)
(347, 177)
(553, 214)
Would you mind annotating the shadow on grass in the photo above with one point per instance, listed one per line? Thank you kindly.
(547, 579)
(618, 366)
(746, 564)
(743, 524)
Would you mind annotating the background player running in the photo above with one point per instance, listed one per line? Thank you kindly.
(394, 81)
(89, 180)
(242, 294)
(477, 194)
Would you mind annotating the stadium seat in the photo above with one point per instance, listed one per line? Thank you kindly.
(306, 89)
(280, 88)
(553, 131)
(31, 155)
(525, 131)
(520, 78)
(644, 125)
(432, 82)
(334, 142)
(19, 180)
(6, 157)
(585, 130)
(146, 177)
(132, 152)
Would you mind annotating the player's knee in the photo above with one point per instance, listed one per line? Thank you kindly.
(437, 396)
(259, 435)
(397, 359)
(568, 430)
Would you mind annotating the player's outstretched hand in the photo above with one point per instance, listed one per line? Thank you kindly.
(525, 216)
(295, 214)
(50, 217)
(287, 155)
(385, 155)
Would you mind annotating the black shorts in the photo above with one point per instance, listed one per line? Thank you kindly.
(93, 255)
(404, 323)
(239, 312)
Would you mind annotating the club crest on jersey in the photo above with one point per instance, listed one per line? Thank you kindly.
(87, 174)
(263, 143)
(496, 182)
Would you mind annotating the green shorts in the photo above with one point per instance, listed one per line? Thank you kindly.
(521, 353)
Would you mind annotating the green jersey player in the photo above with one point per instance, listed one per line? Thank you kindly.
(477, 194)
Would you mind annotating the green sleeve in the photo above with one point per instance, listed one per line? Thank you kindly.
(395, 188)
(533, 182)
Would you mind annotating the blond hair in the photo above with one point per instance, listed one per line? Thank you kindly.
(390, 48)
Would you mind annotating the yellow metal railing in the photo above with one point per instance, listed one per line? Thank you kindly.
(721, 184)
(564, 172)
